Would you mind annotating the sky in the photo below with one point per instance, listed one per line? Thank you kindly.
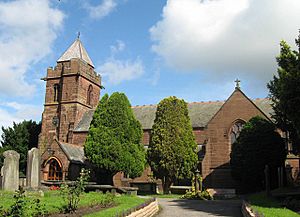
(148, 49)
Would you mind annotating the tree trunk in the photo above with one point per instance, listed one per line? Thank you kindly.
(166, 182)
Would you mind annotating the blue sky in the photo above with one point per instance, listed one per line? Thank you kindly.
(148, 49)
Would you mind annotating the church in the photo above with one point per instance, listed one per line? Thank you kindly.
(72, 94)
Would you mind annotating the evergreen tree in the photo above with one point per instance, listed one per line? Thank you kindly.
(172, 149)
(113, 143)
(21, 137)
(285, 91)
(257, 145)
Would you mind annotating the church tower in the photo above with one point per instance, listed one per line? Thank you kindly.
(72, 89)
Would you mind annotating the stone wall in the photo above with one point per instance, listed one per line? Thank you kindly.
(215, 166)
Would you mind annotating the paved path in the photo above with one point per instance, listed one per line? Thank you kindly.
(197, 208)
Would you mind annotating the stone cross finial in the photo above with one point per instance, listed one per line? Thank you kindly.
(78, 35)
(237, 81)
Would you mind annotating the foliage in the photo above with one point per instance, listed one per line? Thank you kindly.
(258, 145)
(285, 92)
(21, 137)
(52, 201)
(113, 143)
(197, 195)
(172, 149)
(24, 207)
(269, 207)
(71, 193)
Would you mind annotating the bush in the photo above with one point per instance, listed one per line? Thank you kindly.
(258, 145)
(197, 195)
(71, 193)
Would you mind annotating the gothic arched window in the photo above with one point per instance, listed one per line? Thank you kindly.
(236, 130)
(56, 92)
(55, 170)
(89, 95)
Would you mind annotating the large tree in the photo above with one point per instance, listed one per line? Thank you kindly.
(172, 149)
(257, 145)
(113, 143)
(285, 92)
(21, 137)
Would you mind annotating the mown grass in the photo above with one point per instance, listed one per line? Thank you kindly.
(269, 207)
(53, 200)
(123, 202)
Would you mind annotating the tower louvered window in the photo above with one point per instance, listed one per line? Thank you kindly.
(89, 95)
(56, 92)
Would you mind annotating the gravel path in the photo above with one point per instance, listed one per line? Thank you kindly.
(196, 208)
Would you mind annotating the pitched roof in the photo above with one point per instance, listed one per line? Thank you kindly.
(77, 51)
(200, 113)
(85, 122)
(74, 153)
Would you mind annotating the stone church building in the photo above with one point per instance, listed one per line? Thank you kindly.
(72, 94)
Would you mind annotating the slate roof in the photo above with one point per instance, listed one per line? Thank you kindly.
(77, 51)
(85, 122)
(74, 153)
(200, 113)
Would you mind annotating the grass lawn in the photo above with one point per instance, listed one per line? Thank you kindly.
(53, 202)
(124, 203)
(269, 207)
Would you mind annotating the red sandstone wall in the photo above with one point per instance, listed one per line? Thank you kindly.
(215, 165)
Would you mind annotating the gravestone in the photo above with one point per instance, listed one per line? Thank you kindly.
(33, 168)
(10, 170)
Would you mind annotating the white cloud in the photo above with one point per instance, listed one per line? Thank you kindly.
(225, 37)
(15, 112)
(121, 70)
(101, 10)
(119, 47)
(116, 70)
(27, 31)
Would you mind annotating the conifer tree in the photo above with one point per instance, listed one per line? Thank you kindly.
(172, 149)
(258, 145)
(21, 137)
(113, 143)
(284, 92)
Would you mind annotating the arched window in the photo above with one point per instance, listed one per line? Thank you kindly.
(89, 95)
(236, 130)
(55, 170)
(56, 92)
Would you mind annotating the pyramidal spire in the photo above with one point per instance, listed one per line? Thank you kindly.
(77, 51)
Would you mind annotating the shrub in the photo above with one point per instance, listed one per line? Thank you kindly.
(71, 193)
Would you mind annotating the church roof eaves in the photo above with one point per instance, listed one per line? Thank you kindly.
(74, 153)
(200, 113)
(76, 51)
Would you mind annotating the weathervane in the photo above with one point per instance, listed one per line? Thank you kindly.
(237, 81)
(78, 35)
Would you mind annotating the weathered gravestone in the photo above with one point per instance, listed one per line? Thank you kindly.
(33, 168)
(10, 170)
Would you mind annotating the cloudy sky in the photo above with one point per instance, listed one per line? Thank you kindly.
(149, 49)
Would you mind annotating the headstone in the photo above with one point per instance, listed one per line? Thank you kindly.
(33, 168)
(10, 171)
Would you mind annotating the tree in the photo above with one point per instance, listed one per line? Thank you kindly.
(172, 149)
(258, 145)
(113, 143)
(285, 92)
(21, 137)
